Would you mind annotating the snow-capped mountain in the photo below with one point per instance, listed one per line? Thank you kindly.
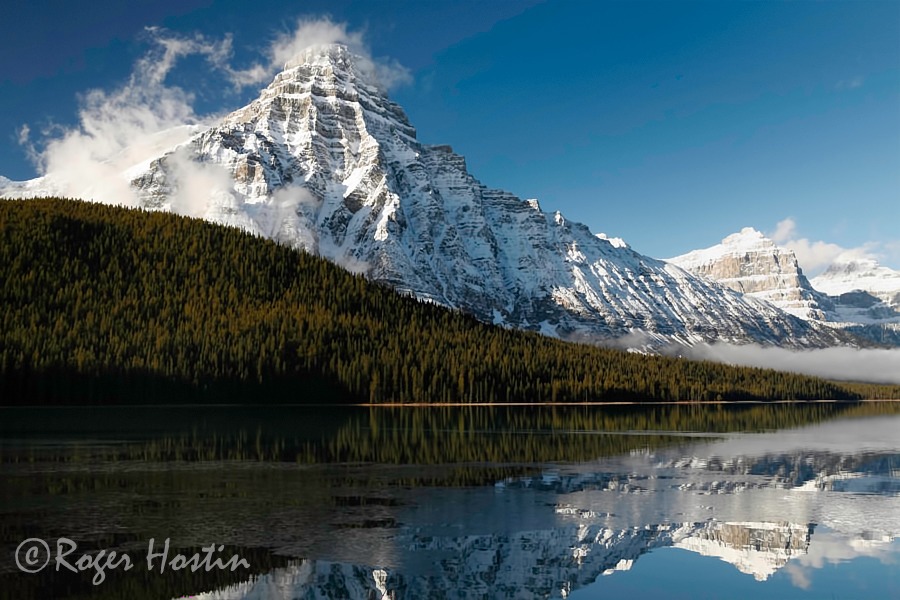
(856, 295)
(853, 274)
(750, 263)
(866, 297)
(325, 162)
(850, 280)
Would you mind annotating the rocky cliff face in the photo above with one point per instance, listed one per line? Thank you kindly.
(325, 162)
(752, 264)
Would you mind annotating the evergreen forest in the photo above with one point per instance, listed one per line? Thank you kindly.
(108, 305)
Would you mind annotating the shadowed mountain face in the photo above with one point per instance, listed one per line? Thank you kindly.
(325, 162)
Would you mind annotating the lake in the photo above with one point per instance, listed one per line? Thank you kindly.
(750, 501)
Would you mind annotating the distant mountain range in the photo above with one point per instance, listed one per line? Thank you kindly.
(324, 162)
(853, 294)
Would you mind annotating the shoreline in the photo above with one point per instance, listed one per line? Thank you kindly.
(620, 403)
(718, 403)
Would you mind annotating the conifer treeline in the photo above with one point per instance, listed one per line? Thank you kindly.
(103, 304)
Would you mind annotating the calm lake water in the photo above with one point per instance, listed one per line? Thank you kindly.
(771, 501)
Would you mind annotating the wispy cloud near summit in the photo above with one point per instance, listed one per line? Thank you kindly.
(309, 33)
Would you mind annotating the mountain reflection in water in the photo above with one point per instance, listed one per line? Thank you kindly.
(489, 503)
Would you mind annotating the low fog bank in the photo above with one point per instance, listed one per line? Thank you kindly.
(847, 364)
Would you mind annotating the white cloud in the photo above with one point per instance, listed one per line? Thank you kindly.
(784, 230)
(197, 183)
(842, 363)
(294, 216)
(833, 547)
(353, 264)
(815, 256)
(812, 256)
(23, 137)
(314, 32)
(121, 128)
(155, 66)
(892, 250)
(292, 196)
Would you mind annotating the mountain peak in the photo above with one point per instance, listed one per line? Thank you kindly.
(750, 263)
(855, 292)
(852, 263)
(328, 65)
(851, 272)
(323, 55)
(748, 238)
(326, 91)
(338, 62)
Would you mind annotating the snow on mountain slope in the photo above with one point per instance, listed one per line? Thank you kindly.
(42, 186)
(325, 162)
(847, 275)
(866, 297)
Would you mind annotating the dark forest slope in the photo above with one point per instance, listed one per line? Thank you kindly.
(102, 304)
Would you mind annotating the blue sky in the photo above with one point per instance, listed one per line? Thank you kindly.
(669, 124)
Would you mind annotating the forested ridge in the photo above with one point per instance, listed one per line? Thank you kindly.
(104, 304)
